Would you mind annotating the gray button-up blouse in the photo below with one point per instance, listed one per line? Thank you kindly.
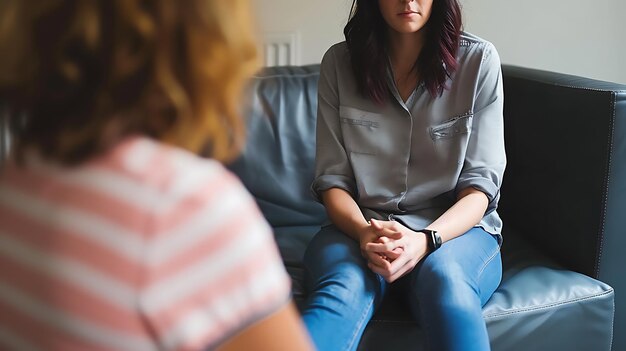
(407, 161)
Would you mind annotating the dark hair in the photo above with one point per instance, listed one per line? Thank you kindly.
(365, 35)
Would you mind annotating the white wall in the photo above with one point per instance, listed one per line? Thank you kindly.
(585, 38)
(319, 23)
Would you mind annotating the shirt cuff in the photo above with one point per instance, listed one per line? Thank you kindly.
(489, 188)
(328, 181)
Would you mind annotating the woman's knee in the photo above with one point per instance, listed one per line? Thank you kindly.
(440, 278)
(330, 247)
(439, 291)
(333, 261)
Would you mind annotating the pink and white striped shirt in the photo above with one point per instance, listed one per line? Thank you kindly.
(147, 247)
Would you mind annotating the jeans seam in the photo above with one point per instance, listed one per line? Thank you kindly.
(482, 269)
(359, 324)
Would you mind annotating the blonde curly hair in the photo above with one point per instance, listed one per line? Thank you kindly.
(77, 76)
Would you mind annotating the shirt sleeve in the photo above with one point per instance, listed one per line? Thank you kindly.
(485, 158)
(332, 167)
(213, 268)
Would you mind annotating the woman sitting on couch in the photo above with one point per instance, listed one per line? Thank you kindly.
(410, 157)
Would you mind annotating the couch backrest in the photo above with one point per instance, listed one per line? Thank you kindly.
(277, 165)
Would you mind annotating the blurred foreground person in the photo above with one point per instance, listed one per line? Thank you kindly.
(114, 234)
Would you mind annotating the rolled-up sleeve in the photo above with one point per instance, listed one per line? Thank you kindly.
(485, 158)
(332, 167)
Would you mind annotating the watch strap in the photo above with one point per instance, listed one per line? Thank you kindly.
(433, 239)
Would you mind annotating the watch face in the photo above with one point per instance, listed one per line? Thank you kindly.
(434, 241)
(437, 239)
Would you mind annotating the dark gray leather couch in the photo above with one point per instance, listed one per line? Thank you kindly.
(563, 204)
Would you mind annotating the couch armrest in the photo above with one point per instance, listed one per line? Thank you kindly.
(565, 184)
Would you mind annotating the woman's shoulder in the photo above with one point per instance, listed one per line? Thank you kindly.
(471, 41)
(336, 66)
(337, 49)
(336, 54)
(477, 55)
(164, 170)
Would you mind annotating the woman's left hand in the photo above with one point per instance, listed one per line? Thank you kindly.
(403, 252)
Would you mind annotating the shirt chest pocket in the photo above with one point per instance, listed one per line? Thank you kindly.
(450, 139)
(452, 128)
(361, 130)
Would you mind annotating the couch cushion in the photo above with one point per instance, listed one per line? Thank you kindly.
(555, 308)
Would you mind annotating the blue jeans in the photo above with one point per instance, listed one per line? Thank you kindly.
(446, 291)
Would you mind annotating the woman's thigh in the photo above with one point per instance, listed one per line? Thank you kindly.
(342, 291)
(448, 289)
(470, 260)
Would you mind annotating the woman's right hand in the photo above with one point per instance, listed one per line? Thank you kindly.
(375, 233)
(408, 246)
(347, 216)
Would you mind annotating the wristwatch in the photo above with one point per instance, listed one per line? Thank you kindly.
(433, 239)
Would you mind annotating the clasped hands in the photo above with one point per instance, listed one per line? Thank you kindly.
(391, 249)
